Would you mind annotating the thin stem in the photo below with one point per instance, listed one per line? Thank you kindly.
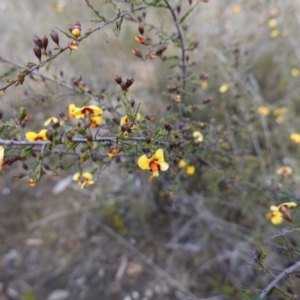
(183, 58)
(284, 273)
(74, 140)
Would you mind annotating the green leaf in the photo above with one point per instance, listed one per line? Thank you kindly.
(96, 12)
(7, 73)
(22, 114)
(182, 19)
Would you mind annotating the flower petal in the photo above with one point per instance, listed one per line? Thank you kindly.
(163, 166)
(1, 156)
(88, 176)
(182, 163)
(277, 218)
(159, 156)
(144, 162)
(76, 176)
(51, 120)
(96, 121)
(30, 136)
(42, 134)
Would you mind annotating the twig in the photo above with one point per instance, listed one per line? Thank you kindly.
(61, 50)
(74, 140)
(183, 58)
(285, 232)
(273, 283)
(44, 77)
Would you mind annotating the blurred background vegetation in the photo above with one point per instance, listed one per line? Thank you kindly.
(190, 238)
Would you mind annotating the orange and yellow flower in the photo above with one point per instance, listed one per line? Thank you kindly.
(84, 179)
(53, 120)
(198, 137)
(31, 182)
(182, 163)
(72, 109)
(155, 163)
(126, 120)
(295, 138)
(263, 110)
(96, 121)
(41, 136)
(76, 31)
(284, 171)
(112, 152)
(73, 45)
(91, 110)
(190, 170)
(278, 213)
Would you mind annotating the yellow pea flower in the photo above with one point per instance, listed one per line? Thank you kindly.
(32, 136)
(279, 213)
(155, 163)
(84, 179)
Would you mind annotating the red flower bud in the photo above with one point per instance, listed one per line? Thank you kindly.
(54, 37)
(73, 45)
(37, 51)
(37, 41)
(137, 53)
(132, 102)
(149, 117)
(44, 42)
(141, 29)
(129, 81)
(118, 79)
(141, 39)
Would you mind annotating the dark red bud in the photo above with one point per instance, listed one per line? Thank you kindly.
(141, 29)
(206, 101)
(89, 137)
(129, 81)
(54, 37)
(149, 117)
(69, 136)
(124, 87)
(137, 53)
(203, 76)
(168, 126)
(148, 139)
(37, 51)
(132, 102)
(49, 135)
(37, 41)
(118, 79)
(44, 42)
(46, 167)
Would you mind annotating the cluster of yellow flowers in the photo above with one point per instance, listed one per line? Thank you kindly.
(155, 163)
